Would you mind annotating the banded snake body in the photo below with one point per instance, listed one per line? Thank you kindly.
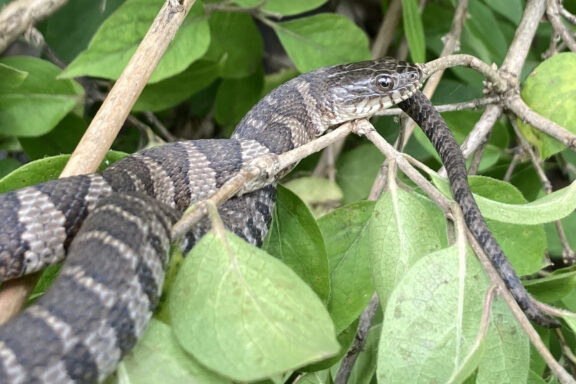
(111, 281)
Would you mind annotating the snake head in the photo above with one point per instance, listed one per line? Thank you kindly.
(359, 90)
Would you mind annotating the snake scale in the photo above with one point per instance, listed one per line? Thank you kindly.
(112, 278)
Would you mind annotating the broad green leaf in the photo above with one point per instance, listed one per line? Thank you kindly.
(42, 170)
(244, 314)
(523, 244)
(534, 378)
(320, 377)
(32, 99)
(321, 40)
(11, 77)
(414, 30)
(159, 349)
(349, 261)
(345, 338)
(483, 33)
(295, 238)
(403, 228)
(69, 30)
(507, 356)
(551, 82)
(555, 246)
(357, 169)
(283, 7)
(235, 97)
(167, 93)
(553, 287)
(511, 9)
(571, 321)
(118, 37)
(548, 208)
(432, 320)
(62, 139)
(8, 165)
(236, 42)
(320, 194)
(34, 172)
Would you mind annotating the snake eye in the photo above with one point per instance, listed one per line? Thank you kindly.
(385, 83)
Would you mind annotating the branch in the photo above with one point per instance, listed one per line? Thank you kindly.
(113, 112)
(553, 14)
(517, 105)
(19, 15)
(257, 174)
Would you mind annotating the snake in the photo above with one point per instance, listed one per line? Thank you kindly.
(112, 276)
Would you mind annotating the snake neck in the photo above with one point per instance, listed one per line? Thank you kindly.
(296, 112)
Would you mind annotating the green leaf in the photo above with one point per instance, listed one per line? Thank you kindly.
(507, 356)
(321, 40)
(432, 320)
(167, 93)
(548, 208)
(414, 30)
(235, 97)
(320, 195)
(32, 100)
(349, 261)
(483, 33)
(551, 82)
(11, 77)
(8, 165)
(459, 123)
(523, 244)
(554, 287)
(357, 169)
(246, 315)
(404, 227)
(119, 36)
(69, 30)
(42, 170)
(283, 7)
(295, 238)
(511, 9)
(236, 42)
(62, 139)
(159, 348)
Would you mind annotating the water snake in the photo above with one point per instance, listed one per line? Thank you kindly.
(111, 281)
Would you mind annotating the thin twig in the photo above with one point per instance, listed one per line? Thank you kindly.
(553, 14)
(113, 112)
(386, 32)
(359, 341)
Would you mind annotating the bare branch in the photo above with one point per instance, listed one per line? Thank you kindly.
(517, 105)
(554, 16)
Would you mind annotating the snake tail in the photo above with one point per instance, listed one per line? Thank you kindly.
(421, 110)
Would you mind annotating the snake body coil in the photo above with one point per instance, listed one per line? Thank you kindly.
(91, 317)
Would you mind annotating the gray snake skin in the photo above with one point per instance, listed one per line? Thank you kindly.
(116, 272)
